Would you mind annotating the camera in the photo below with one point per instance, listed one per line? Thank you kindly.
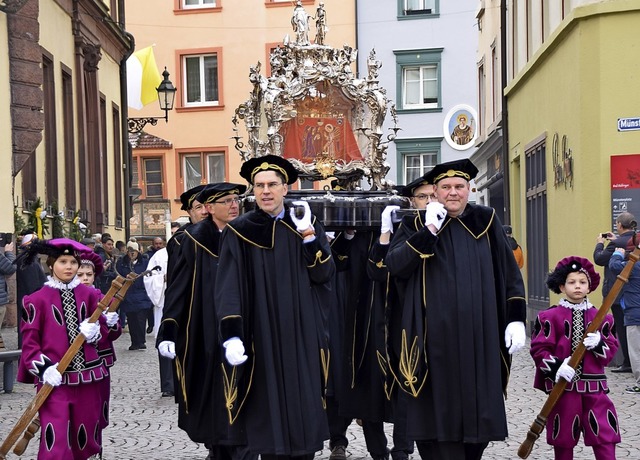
(605, 235)
(5, 238)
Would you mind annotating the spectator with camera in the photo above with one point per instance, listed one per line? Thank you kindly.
(107, 254)
(625, 228)
(7, 268)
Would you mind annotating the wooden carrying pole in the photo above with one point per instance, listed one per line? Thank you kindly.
(118, 289)
(576, 357)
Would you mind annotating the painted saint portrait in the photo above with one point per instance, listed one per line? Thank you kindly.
(460, 127)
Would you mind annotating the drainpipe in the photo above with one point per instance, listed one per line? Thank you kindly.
(124, 129)
(505, 112)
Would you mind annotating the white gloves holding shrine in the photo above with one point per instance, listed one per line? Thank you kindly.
(234, 351)
(434, 215)
(303, 223)
(515, 336)
(565, 371)
(111, 318)
(167, 349)
(52, 376)
(91, 331)
(592, 340)
(387, 221)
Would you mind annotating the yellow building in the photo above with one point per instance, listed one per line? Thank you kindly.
(63, 115)
(574, 74)
(208, 46)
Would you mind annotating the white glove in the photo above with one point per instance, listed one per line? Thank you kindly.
(304, 222)
(565, 371)
(387, 223)
(435, 214)
(111, 318)
(167, 349)
(52, 376)
(91, 331)
(330, 235)
(515, 336)
(234, 351)
(592, 340)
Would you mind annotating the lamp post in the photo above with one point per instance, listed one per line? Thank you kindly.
(166, 96)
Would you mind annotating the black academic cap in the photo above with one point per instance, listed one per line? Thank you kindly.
(213, 192)
(269, 163)
(187, 197)
(408, 189)
(458, 168)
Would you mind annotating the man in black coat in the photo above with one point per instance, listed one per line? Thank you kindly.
(625, 228)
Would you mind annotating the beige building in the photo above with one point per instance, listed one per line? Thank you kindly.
(63, 115)
(208, 46)
(573, 127)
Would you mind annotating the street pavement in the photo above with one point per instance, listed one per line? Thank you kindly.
(144, 424)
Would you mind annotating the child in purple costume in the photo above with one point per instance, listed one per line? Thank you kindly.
(584, 407)
(90, 268)
(52, 318)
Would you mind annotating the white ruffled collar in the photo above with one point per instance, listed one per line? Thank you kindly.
(584, 305)
(57, 284)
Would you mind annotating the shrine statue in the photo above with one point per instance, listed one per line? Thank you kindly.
(300, 23)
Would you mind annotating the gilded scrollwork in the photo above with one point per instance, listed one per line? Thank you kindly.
(313, 110)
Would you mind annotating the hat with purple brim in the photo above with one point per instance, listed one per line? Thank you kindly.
(572, 264)
(56, 247)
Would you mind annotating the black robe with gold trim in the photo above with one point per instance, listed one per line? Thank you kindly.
(272, 292)
(189, 319)
(459, 290)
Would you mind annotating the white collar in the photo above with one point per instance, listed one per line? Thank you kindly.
(56, 284)
(584, 305)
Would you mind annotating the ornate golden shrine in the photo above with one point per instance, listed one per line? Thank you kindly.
(313, 110)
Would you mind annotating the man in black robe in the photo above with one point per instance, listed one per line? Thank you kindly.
(273, 280)
(189, 325)
(463, 315)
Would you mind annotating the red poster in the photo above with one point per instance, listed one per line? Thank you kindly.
(625, 171)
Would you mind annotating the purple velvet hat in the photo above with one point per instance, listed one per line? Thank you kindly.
(91, 258)
(55, 248)
(573, 264)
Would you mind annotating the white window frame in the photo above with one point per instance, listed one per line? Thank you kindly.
(200, 4)
(422, 59)
(204, 169)
(422, 79)
(201, 102)
(427, 150)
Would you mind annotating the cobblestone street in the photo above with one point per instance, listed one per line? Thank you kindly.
(144, 425)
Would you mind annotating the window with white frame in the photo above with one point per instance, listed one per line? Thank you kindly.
(419, 79)
(202, 81)
(408, 8)
(198, 4)
(416, 157)
(202, 168)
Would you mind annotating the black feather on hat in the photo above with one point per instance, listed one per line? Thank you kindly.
(571, 264)
(269, 163)
(55, 248)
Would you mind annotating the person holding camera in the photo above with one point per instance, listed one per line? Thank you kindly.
(625, 228)
(7, 268)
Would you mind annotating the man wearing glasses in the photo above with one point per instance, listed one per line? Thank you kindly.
(189, 324)
(271, 289)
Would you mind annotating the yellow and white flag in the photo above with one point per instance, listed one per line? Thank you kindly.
(143, 78)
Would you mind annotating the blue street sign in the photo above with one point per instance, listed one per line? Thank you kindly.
(629, 124)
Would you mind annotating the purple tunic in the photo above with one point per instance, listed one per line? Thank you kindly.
(70, 417)
(585, 406)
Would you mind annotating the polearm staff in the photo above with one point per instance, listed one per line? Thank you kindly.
(118, 290)
(576, 357)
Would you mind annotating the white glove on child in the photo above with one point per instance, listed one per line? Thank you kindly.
(435, 214)
(387, 222)
(592, 340)
(111, 318)
(91, 331)
(565, 371)
(515, 336)
(167, 349)
(52, 376)
(304, 222)
(234, 351)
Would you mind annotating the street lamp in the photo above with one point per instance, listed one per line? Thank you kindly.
(166, 95)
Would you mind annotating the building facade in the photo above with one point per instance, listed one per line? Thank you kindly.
(209, 46)
(573, 127)
(428, 50)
